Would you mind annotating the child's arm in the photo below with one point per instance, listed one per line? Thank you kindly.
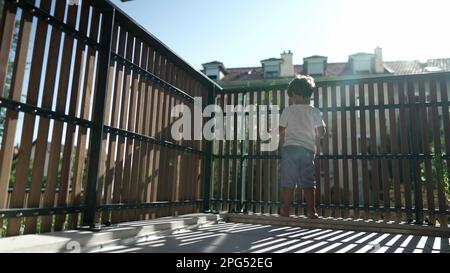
(282, 131)
(320, 132)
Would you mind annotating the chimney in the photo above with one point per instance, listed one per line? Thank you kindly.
(379, 67)
(287, 67)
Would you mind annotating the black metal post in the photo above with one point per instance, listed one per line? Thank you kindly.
(97, 120)
(208, 161)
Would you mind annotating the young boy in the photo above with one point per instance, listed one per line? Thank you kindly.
(300, 125)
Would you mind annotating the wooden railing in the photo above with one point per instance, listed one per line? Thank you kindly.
(86, 95)
(385, 156)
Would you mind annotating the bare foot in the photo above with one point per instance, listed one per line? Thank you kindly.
(313, 216)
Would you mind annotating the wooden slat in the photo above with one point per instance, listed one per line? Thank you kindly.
(326, 151)
(10, 123)
(250, 180)
(113, 179)
(226, 178)
(114, 93)
(405, 147)
(119, 164)
(7, 32)
(425, 128)
(344, 138)
(56, 145)
(374, 151)
(266, 164)
(149, 153)
(414, 111)
(317, 162)
(7, 25)
(139, 163)
(81, 149)
(42, 139)
(394, 150)
(274, 167)
(220, 161)
(23, 160)
(158, 106)
(383, 150)
(354, 151)
(335, 139)
(233, 192)
(258, 196)
(437, 147)
(363, 143)
(104, 186)
(128, 183)
(136, 184)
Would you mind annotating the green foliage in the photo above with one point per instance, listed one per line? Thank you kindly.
(441, 174)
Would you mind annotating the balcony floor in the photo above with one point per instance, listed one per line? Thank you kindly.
(257, 238)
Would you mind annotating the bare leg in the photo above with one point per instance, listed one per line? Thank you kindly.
(310, 202)
(288, 195)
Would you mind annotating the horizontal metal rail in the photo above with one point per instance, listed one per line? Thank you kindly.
(150, 76)
(152, 140)
(341, 206)
(46, 113)
(33, 212)
(54, 22)
(360, 156)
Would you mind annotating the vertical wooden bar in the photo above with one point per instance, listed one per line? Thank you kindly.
(415, 165)
(112, 187)
(317, 161)
(425, 124)
(158, 105)
(7, 32)
(383, 144)
(364, 161)
(354, 151)
(437, 148)
(11, 118)
(26, 143)
(250, 179)
(394, 152)
(226, 181)
(266, 165)
(405, 148)
(56, 145)
(129, 188)
(344, 152)
(42, 140)
(104, 189)
(374, 152)
(67, 162)
(258, 160)
(137, 188)
(7, 26)
(335, 139)
(81, 159)
(119, 184)
(221, 99)
(274, 166)
(233, 193)
(326, 153)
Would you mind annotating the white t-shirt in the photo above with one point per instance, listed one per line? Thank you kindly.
(300, 122)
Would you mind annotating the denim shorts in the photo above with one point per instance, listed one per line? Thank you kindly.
(297, 167)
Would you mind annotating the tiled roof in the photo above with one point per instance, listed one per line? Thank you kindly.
(342, 69)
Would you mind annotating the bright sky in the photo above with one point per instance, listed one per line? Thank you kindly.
(243, 32)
